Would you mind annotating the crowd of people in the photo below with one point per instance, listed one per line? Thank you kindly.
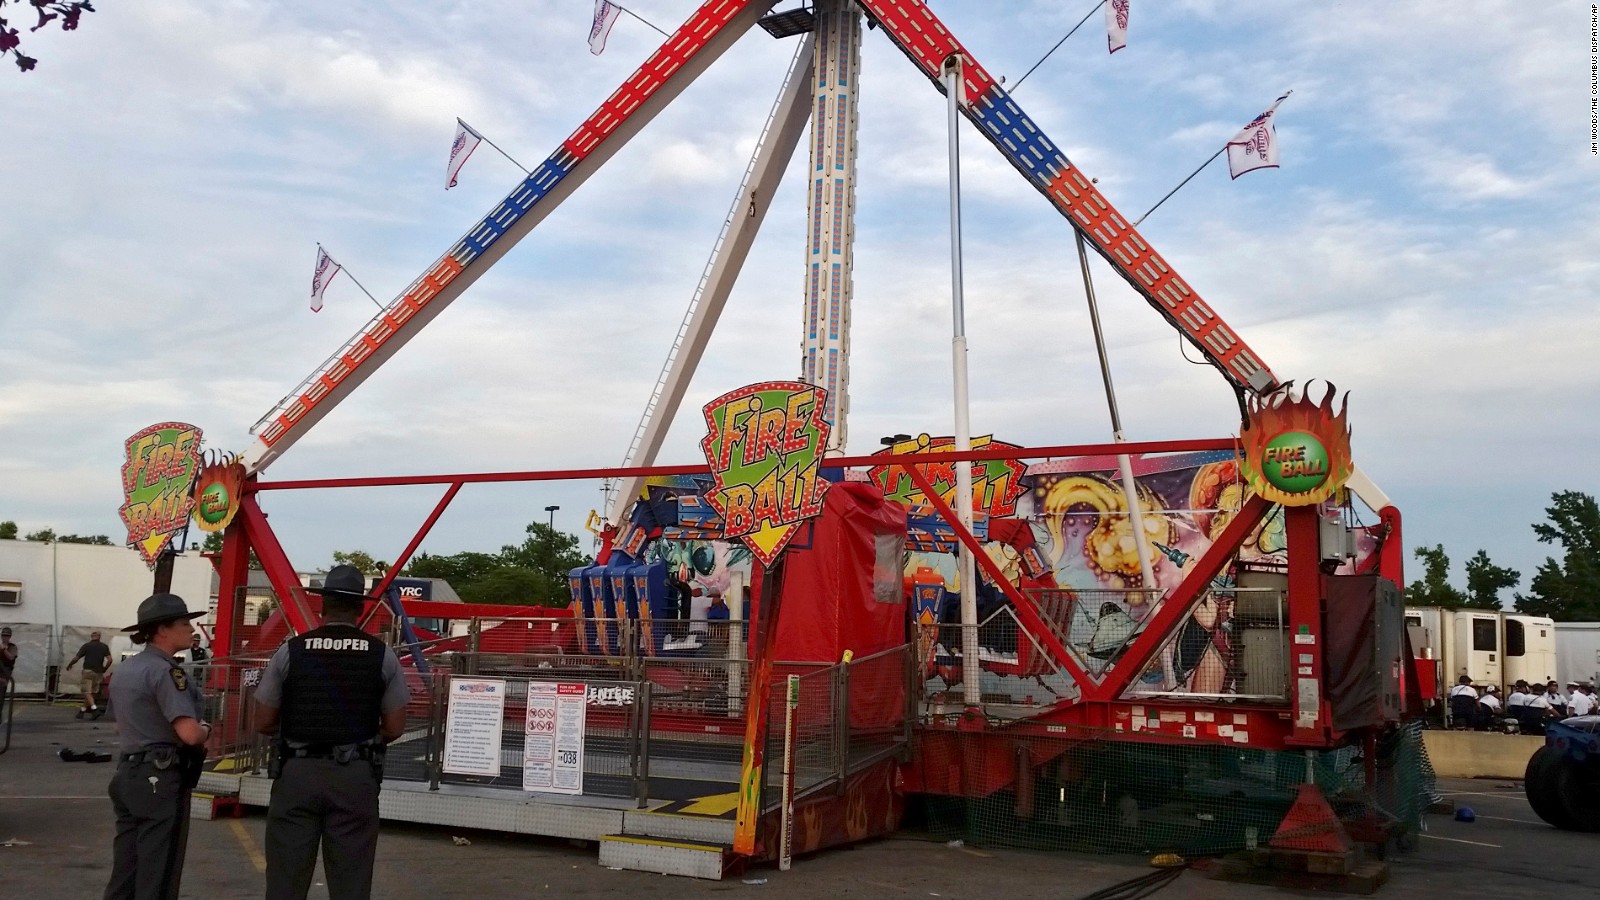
(1532, 707)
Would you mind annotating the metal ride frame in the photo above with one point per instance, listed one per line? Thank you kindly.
(825, 62)
(1103, 702)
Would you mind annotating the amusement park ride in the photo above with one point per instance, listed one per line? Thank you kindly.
(1247, 544)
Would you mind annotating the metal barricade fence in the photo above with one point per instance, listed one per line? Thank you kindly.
(656, 726)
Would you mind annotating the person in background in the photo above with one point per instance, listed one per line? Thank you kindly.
(1566, 695)
(1553, 698)
(8, 660)
(96, 658)
(1463, 703)
(1581, 703)
(1519, 697)
(1490, 701)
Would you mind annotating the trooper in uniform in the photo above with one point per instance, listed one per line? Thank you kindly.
(162, 746)
(333, 697)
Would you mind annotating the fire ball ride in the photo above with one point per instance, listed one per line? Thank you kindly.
(952, 618)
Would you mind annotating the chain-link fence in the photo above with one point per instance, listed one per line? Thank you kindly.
(1095, 791)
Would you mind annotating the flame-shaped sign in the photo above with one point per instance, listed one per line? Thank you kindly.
(764, 443)
(217, 492)
(156, 477)
(1296, 450)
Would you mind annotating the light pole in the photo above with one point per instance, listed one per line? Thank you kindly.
(552, 511)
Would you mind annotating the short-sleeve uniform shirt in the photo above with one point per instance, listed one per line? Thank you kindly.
(149, 693)
(270, 691)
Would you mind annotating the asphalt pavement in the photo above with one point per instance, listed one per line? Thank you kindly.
(56, 826)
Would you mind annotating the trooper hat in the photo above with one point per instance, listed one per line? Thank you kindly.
(159, 608)
(343, 583)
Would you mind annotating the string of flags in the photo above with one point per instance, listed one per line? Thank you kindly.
(1254, 147)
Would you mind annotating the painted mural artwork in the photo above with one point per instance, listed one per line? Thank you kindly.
(1061, 534)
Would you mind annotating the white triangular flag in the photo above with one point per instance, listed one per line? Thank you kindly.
(466, 141)
(1117, 24)
(326, 269)
(605, 15)
(1256, 145)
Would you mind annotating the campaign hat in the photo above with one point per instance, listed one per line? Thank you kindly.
(343, 583)
(159, 608)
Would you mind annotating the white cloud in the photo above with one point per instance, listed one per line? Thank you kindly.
(1424, 245)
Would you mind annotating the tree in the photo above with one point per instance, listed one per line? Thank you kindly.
(43, 535)
(8, 531)
(68, 11)
(362, 560)
(1485, 581)
(99, 540)
(1434, 588)
(546, 550)
(532, 573)
(1568, 590)
(213, 543)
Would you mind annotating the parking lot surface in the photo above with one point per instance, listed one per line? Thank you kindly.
(56, 826)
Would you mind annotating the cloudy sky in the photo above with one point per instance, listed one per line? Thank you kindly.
(1428, 245)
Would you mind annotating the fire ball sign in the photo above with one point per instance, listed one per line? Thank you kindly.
(156, 480)
(764, 445)
(1296, 450)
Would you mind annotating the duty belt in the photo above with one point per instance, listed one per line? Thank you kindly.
(341, 752)
(151, 755)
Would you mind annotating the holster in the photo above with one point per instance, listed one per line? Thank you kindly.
(191, 763)
(275, 758)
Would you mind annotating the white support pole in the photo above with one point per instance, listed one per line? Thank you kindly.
(786, 837)
(831, 202)
(971, 689)
(785, 126)
(1129, 490)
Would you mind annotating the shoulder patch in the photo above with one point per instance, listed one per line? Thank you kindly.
(179, 679)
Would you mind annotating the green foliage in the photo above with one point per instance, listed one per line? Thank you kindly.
(213, 542)
(532, 573)
(1485, 581)
(1434, 588)
(1567, 590)
(99, 540)
(8, 531)
(362, 560)
(43, 535)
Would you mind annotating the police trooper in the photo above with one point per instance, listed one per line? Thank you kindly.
(333, 696)
(162, 745)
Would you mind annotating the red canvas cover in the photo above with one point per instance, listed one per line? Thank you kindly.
(835, 598)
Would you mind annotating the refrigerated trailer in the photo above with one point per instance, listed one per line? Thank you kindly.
(1488, 646)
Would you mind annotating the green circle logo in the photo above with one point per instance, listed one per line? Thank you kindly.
(1295, 462)
(214, 502)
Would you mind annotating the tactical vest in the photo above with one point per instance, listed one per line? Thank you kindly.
(333, 692)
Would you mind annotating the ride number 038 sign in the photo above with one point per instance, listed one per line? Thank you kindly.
(552, 752)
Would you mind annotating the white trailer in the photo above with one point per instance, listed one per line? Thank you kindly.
(1578, 652)
(1489, 647)
(53, 594)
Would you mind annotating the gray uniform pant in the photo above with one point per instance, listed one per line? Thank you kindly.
(152, 831)
(320, 801)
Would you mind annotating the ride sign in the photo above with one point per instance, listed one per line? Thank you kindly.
(764, 445)
(1296, 450)
(156, 479)
(552, 750)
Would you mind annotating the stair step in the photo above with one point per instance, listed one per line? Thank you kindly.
(678, 827)
(667, 857)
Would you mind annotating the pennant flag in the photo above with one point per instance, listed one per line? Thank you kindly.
(326, 269)
(466, 141)
(1256, 146)
(1117, 24)
(605, 15)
